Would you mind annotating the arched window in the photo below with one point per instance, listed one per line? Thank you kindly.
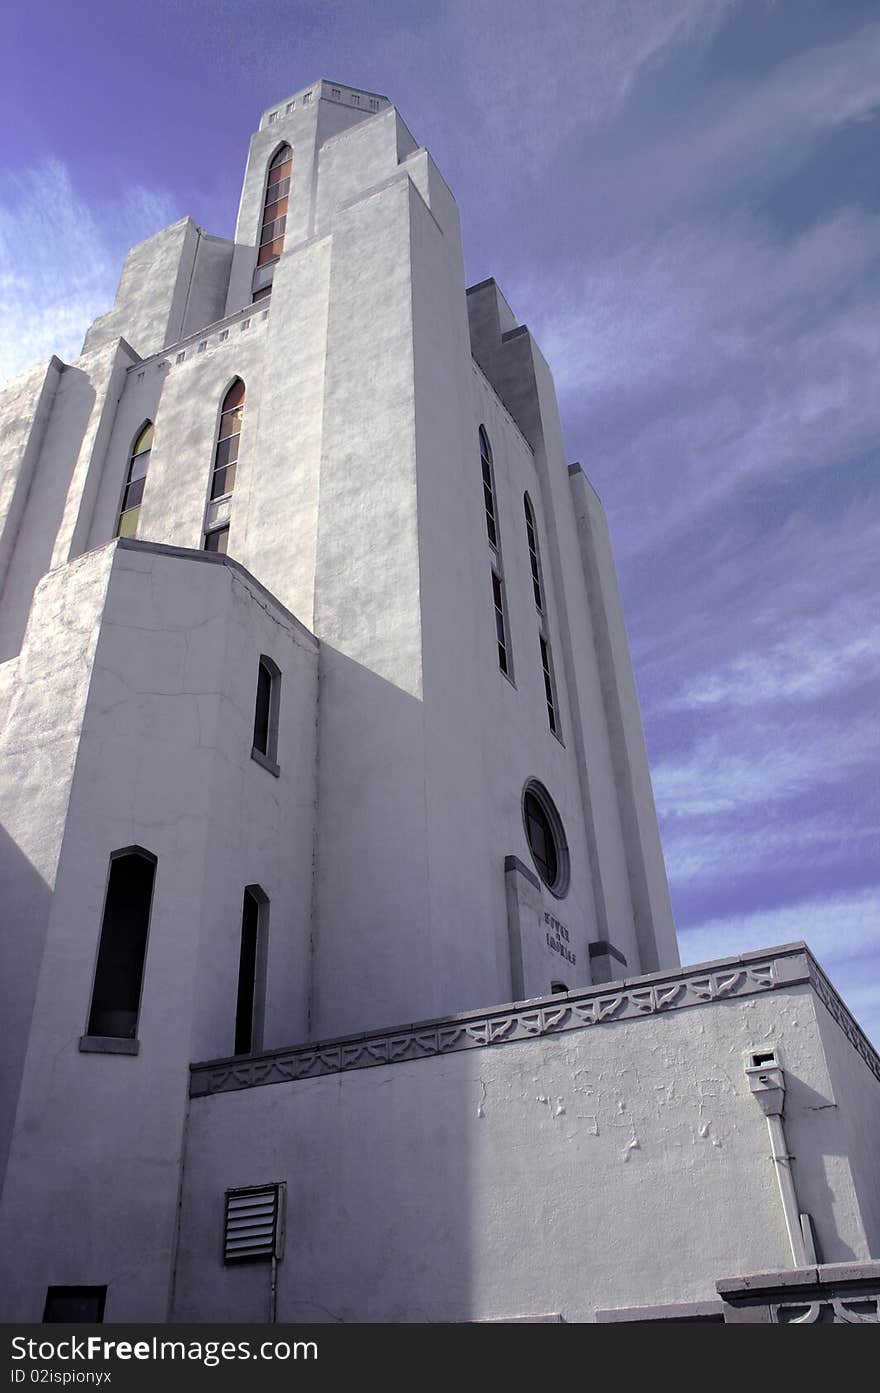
(223, 472)
(134, 482)
(228, 437)
(116, 993)
(488, 488)
(275, 206)
(265, 744)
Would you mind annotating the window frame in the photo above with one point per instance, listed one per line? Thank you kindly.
(499, 610)
(490, 506)
(492, 521)
(258, 896)
(539, 594)
(268, 758)
(218, 441)
(265, 205)
(217, 511)
(91, 1042)
(561, 882)
(133, 454)
(211, 532)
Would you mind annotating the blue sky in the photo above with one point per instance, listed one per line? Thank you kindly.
(680, 198)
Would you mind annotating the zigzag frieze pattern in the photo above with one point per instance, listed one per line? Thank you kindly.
(478, 1032)
(835, 1007)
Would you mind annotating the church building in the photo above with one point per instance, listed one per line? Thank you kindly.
(338, 972)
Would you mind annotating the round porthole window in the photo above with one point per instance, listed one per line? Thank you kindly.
(545, 837)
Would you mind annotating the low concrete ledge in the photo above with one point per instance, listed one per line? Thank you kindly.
(551, 1318)
(839, 1293)
(673, 1311)
(632, 1000)
(107, 1044)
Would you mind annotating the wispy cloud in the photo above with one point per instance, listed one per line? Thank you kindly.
(60, 259)
(700, 852)
(535, 76)
(774, 764)
(839, 927)
(809, 665)
(843, 932)
(776, 121)
(722, 344)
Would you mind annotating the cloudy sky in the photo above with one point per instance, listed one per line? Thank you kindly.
(680, 198)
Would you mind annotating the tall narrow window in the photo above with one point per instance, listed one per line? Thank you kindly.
(228, 438)
(133, 492)
(500, 623)
(251, 972)
(532, 537)
(261, 716)
(265, 746)
(488, 488)
(547, 667)
(541, 605)
(490, 508)
(223, 471)
(275, 206)
(119, 973)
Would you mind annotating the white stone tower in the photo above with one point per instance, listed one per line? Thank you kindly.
(319, 711)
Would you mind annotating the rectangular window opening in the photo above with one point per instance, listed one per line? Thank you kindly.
(248, 1022)
(74, 1305)
(500, 623)
(547, 667)
(217, 539)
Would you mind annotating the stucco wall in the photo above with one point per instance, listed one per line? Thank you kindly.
(45, 697)
(163, 761)
(624, 1164)
(855, 1120)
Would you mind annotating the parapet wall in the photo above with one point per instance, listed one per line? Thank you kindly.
(565, 1156)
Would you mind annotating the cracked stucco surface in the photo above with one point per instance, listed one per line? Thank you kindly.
(623, 1165)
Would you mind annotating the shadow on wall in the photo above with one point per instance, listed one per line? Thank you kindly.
(404, 893)
(25, 898)
(814, 1139)
(44, 509)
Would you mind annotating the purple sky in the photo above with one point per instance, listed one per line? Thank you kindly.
(680, 198)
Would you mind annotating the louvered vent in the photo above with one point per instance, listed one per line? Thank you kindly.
(253, 1223)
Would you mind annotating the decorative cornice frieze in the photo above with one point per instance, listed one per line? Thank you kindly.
(629, 1000)
(858, 1310)
(836, 1008)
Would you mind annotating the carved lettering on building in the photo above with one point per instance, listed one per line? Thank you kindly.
(558, 939)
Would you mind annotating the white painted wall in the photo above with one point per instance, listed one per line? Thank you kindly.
(625, 1164)
(358, 504)
(162, 760)
(45, 697)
